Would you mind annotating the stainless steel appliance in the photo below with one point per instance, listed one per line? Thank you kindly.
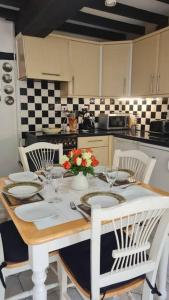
(114, 121)
(160, 127)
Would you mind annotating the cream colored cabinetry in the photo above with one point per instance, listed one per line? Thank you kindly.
(163, 64)
(85, 61)
(43, 58)
(116, 62)
(102, 147)
(144, 66)
(150, 65)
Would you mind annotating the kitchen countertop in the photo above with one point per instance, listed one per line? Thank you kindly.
(137, 135)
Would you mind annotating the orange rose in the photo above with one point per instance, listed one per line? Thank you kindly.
(84, 163)
(67, 165)
(95, 162)
(77, 152)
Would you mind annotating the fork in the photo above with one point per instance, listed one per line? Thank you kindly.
(74, 207)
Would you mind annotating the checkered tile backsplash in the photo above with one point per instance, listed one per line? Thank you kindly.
(41, 106)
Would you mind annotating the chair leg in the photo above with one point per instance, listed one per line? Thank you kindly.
(62, 277)
(2, 292)
(147, 295)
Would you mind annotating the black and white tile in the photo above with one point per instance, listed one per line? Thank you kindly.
(42, 106)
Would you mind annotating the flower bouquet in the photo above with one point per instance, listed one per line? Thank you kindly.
(80, 160)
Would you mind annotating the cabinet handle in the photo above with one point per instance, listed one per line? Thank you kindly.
(124, 86)
(94, 141)
(51, 74)
(158, 82)
(73, 84)
(152, 83)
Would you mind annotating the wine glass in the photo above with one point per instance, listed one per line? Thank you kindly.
(47, 166)
(56, 178)
(111, 177)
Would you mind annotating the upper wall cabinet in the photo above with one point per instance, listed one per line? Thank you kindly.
(163, 64)
(85, 62)
(144, 66)
(43, 58)
(116, 69)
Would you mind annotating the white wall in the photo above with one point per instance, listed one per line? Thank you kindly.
(7, 42)
(8, 114)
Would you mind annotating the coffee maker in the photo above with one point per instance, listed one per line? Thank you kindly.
(88, 122)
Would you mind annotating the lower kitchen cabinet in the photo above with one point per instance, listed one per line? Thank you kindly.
(102, 147)
(160, 175)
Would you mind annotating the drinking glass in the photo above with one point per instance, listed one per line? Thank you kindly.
(111, 177)
(56, 179)
(47, 166)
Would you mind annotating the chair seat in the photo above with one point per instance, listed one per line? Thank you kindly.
(76, 258)
(15, 249)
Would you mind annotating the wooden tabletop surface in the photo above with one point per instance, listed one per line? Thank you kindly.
(32, 236)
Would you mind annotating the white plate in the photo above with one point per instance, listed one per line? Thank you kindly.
(122, 175)
(23, 176)
(23, 192)
(35, 211)
(104, 199)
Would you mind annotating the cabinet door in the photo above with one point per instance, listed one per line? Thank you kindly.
(116, 69)
(124, 144)
(163, 78)
(45, 58)
(144, 66)
(56, 59)
(102, 155)
(33, 56)
(160, 175)
(85, 59)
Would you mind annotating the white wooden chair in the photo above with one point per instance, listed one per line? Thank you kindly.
(137, 161)
(128, 257)
(11, 268)
(36, 153)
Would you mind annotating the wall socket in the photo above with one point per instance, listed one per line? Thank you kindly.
(64, 108)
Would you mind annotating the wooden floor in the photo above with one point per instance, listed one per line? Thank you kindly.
(22, 282)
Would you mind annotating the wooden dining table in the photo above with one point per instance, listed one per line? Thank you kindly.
(42, 242)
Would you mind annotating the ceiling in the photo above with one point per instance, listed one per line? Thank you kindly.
(128, 19)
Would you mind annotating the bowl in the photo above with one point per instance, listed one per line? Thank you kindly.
(51, 130)
(123, 175)
(23, 176)
(22, 190)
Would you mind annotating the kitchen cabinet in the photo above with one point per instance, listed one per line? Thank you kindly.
(102, 147)
(163, 64)
(160, 175)
(43, 58)
(85, 62)
(116, 69)
(150, 64)
(144, 66)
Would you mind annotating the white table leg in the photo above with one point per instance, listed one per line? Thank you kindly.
(162, 272)
(39, 261)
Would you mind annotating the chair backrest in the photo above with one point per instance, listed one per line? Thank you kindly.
(132, 224)
(137, 161)
(36, 153)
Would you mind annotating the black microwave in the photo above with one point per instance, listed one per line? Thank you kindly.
(113, 121)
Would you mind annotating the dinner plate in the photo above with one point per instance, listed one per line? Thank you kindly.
(35, 211)
(22, 190)
(23, 176)
(104, 199)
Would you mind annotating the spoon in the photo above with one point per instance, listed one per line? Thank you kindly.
(74, 207)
